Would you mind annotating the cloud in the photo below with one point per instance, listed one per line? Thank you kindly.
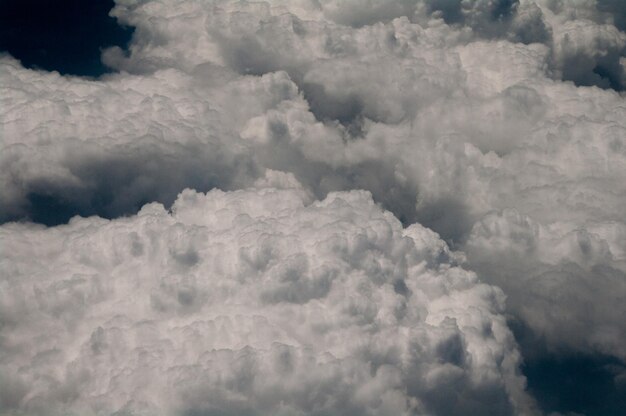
(250, 302)
(565, 271)
(109, 147)
(498, 125)
(588, 49)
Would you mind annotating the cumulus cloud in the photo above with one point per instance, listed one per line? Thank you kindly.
(251, 302)
(110, 147)
(499, 125)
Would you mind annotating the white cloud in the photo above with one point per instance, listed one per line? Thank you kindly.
(454, 115)
(250, 302)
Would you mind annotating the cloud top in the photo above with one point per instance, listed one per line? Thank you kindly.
(250, 302)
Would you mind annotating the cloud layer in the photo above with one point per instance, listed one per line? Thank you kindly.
(500, 125)
(251, 302)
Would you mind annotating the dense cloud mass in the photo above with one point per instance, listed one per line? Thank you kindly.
(250, 302)
(496, 126)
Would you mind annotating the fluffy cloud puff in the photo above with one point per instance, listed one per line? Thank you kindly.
(250, 302)
(109, 147)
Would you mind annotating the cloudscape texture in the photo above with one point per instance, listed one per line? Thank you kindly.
(315, 207)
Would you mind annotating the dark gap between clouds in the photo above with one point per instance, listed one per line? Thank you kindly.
(61, 35)
(571, 382)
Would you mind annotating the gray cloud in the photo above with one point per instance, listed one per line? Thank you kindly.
(482, 121)
(251, 302)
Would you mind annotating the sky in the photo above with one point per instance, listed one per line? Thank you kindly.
(381, 207)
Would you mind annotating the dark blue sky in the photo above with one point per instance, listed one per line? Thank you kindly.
(568, 381)
(62, 35)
